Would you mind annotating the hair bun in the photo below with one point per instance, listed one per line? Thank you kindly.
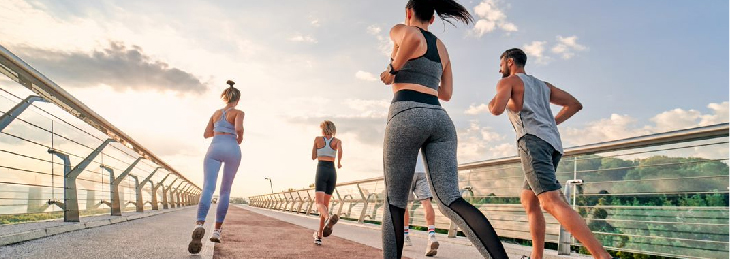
(230, 82)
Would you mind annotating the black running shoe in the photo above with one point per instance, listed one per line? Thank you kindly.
(196, 245)
(327, 231)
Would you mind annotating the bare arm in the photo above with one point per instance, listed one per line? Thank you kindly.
(314, 149)
(446, 89)
(405, 44)
(571, 106)
(209, 129)
(239, 126)
(339, 154)
(408, 41)
(500, 100)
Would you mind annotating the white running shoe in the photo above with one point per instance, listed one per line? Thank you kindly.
(196, 245)
(407, 241)
(433, 245)
(317, 239)
(216, 236)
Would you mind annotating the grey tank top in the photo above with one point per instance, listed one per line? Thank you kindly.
(327, 150)
(425, 70)
(536, 118)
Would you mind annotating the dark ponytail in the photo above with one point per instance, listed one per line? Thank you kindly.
(446, 9)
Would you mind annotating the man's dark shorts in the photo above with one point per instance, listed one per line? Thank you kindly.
(539, 162)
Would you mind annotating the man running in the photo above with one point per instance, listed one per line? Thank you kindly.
(527, 101)
(419, 188)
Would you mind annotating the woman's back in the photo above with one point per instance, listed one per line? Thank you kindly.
(326, 147)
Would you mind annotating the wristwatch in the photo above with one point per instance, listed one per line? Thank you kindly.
(392, 71)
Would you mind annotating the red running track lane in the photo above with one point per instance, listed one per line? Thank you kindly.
(251, 235)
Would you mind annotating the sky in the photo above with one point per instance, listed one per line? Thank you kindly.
(155, 70)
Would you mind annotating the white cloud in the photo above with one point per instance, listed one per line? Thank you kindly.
(374, 30)
(624, 126)
(491, 17)
(675, 119)
(719, 114)
(315, 23)
(509, 27)
(536, 49)
(503, 150)
(483, 27)
(481, 143)
(362, 75)
(303, 38)
(368, 105)
(606, 129)
(385, 46)
(477, 109)
(567, 46)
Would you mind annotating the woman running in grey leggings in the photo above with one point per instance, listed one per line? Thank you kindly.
(226, 128)
(420, 72)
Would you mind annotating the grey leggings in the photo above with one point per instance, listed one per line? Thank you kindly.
(413, 126)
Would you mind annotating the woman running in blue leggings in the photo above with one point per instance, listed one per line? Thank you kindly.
(420, 73)
(226, 128)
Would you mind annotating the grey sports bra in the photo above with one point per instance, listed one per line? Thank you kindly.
(425, 70)
(327, 150)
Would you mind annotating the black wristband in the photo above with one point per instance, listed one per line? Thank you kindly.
(392, 70)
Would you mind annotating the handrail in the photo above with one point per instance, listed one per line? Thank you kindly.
(685, 135)
(16, 69)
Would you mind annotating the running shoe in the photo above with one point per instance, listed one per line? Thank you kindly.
(317, 239)
(407, 241)
(216, 236)
(327, 231)
(196, 245)
(433, 246)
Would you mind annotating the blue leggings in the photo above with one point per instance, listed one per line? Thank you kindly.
(223, 149)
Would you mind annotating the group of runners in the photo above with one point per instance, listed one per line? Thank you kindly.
(419, 147)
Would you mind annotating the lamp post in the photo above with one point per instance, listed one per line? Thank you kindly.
(270, 184)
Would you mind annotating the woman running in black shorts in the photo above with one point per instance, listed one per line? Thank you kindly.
(326, 148)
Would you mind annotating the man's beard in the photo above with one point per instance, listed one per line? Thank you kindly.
(505, 73)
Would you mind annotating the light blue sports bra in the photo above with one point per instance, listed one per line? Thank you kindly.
(222, 125)
(326, 150)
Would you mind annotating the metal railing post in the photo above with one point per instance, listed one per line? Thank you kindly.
(137, 194)
(173, 197)
(19, 108)
(155, 187)
(565, 238)
(342, 202)
(70, 202)
(293, 202)
(140, 204)
(286, 201)
(116, 208)
(166, 194)
(301, 202)
(310, 202)
(364, 211)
